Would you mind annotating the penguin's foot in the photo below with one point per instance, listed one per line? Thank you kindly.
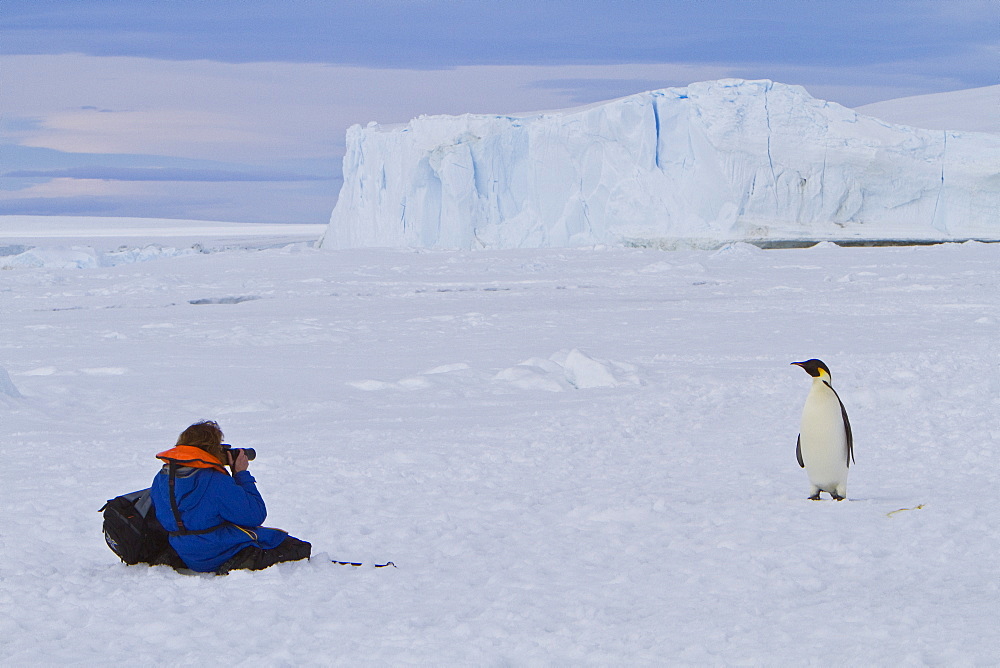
(814, 497)
(837, 497)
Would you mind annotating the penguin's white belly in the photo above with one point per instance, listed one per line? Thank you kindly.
(823, 439)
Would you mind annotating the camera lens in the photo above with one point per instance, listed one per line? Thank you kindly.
(235, 452)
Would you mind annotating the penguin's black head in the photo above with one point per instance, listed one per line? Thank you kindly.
(815, 368)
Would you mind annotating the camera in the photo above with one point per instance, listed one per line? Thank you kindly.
(235, 452)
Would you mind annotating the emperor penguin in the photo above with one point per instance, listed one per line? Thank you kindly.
(825, 447)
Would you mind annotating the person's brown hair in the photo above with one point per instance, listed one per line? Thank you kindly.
(205, 435)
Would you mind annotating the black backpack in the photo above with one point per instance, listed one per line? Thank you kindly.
(131, 529)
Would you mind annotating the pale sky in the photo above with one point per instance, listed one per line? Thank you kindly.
(236, 110)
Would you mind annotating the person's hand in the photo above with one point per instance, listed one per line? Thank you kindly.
(241, 463)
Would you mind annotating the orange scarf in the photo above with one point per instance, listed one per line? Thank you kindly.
(189, 455)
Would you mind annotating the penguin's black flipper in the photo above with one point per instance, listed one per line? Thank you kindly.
(847, 429)
(850, 436)
(798, 451)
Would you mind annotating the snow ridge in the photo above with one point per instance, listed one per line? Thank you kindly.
(701, 166)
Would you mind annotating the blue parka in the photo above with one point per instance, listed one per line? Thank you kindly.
(206, 497)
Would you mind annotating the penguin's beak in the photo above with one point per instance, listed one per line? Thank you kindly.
(797, 363)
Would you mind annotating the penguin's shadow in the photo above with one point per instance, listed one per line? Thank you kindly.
(869, 499)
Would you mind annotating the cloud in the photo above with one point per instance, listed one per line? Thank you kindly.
(435, 34)
(195, 109)
(266, 202)
(158, 174)
(70, 187)
(62, 206)
(149, 131)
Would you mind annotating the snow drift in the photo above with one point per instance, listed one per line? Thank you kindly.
(7, 387)
(972, 109)
(700, 166)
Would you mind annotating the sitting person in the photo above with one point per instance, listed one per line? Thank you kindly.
(213, 518)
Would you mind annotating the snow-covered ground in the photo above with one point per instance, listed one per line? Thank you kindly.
(574, 457)
(99, 238)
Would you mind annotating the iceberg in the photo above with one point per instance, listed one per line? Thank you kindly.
(702, 166)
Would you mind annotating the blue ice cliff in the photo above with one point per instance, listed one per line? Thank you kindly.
(700, 166)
